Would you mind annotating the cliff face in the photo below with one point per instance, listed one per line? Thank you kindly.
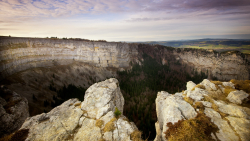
(224, 66)
(19, 54)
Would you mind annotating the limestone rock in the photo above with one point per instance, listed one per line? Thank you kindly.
(70, 122)
(225, 132)
(208, 85)
(197, 94)
(232, 120)
(237, 97)
(190, 85)
(241, 126)
(103, 97)
(171, 108)
(230, 84)
(13, 111)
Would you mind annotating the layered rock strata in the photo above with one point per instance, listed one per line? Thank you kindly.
(19, 54)
(93, 119)
(13, 111)
(232, 120)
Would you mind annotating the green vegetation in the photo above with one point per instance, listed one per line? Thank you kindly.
(141, 84)
(117, 112)
(218, 45)
(196, 129)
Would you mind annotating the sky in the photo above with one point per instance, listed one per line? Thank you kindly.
(126, 20)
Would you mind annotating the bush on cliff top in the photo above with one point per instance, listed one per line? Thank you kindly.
(196, 129)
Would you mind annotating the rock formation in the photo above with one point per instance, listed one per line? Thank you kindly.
(93, 119)
(19, 54)
(13, 111)
(213, 100)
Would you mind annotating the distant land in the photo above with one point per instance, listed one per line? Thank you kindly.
(220, 45)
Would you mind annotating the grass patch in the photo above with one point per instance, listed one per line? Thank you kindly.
(241, 85)
(189, 100)
(228, 89)
(199, 86)
(110, 126)
(136, 135)
(199, 105)
(196, 129)
(216, 82)
(99, 123)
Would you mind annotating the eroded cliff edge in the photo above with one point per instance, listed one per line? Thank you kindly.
(19, 54)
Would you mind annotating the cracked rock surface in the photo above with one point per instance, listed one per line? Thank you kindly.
(78, 122)
(231, 118)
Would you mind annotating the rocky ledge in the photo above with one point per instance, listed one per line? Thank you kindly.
(211, 104)
(93, 119)
(13, 111)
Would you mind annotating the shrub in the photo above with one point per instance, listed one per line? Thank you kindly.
(117, 112)
(196, 129)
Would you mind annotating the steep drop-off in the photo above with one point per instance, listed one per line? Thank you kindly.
(19, 54)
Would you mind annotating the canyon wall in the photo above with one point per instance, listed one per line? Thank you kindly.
(223, 66)
(19, 54)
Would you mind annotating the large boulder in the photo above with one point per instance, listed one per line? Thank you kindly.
(90, 120)
(13, 111)
(238, 97)
(103, 97)
(209, 99)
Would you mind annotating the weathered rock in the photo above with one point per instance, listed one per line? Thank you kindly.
(197, 94)
(233, 109)
(208, 85)
(70, 122)
(237, 97)
(241, 126)
(13, 111)
(225, 132)
(190, 85)
(230, 84)
(232, 120)
(171, 108)
(103, 97)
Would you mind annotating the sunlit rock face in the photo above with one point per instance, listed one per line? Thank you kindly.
(224, 66)
(18, 54)
(232, 120)
(75, 120)
(13, 111)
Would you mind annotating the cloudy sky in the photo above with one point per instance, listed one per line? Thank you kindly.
(126, 20)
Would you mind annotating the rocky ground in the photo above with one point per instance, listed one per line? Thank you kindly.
(221, 103)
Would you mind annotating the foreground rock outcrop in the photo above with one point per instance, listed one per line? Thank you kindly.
(90, 120)
(13, 111)
(220, 102)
